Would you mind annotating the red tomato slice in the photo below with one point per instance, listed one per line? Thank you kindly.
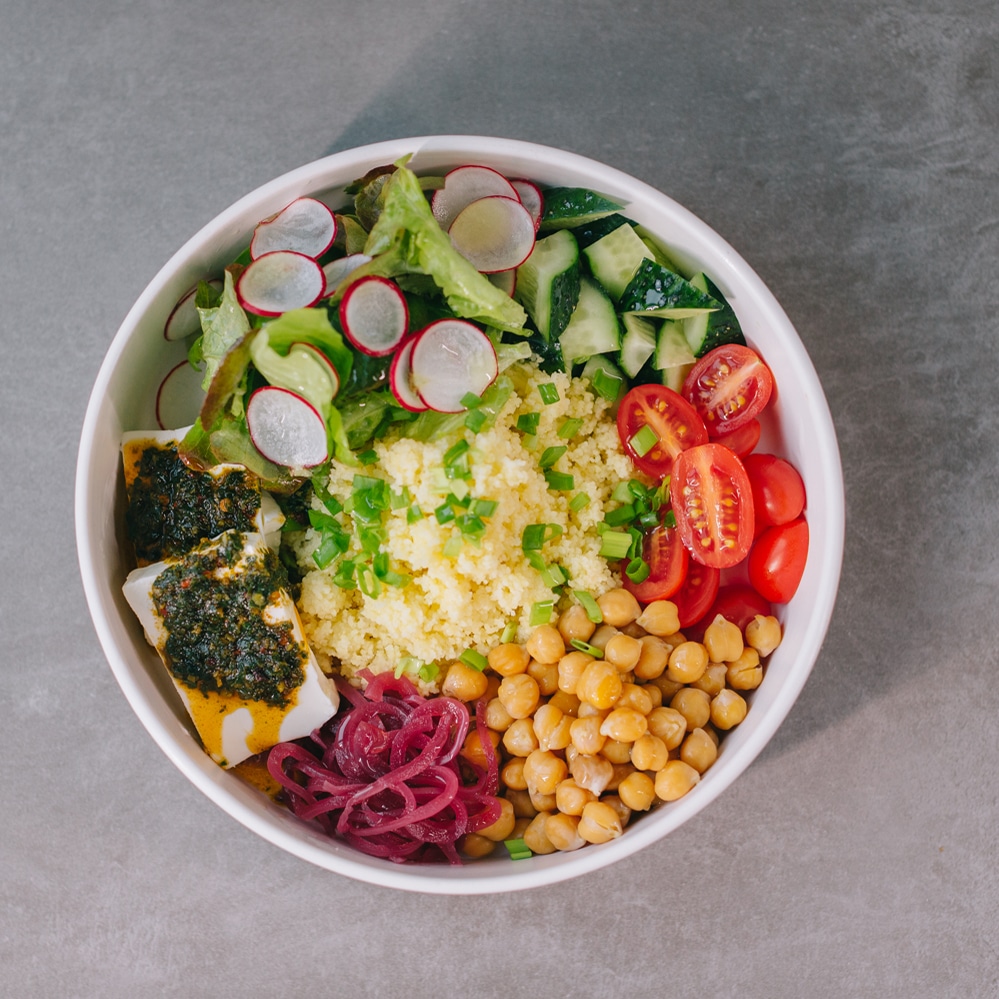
(777, 561)
(713, 504)
(744, 440)
(667, 558)
(728, 386)
(739, 604)
(778, 491)
(697, 593)
(672, 419)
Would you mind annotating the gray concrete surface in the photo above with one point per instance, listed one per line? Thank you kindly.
(850, 152)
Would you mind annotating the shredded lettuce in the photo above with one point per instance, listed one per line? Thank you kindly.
(311, 326)
(222, 327)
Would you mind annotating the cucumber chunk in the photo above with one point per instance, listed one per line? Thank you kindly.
(548, 282)
(638, 343)
(568, 207)
(606, 378)
(590, 232)
(656, 291)
(615, 258)
(673, 356)
(594, 327)
(708, 330)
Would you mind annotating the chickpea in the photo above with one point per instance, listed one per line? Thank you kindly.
(546, 675)
(635, 696)
(464, 682)
(574, 624)
(502, 827)
(585, 735)
(570, 669)
(618, 607)
(649, 752)
(546, 644)
(562, 832)
(570, 798)
(699, 750)
(519, 739)
(599, 823)
(520, 826)
(667, 688)
(592, 772)
(653, 658)
(723, 640)
(543, 771)
(568, 704)
(728, 709)
(637, 791)
(694, 705)
(602, 636)
(475, 846)
(745, 673)
(512, 774)
(552, 727)
(619, 771)
(472, 749)
(541, 801)
(616, 752)
(624, 725)
(654, 694)
(497, 716)
(508, 659)
(534, 836)
(492, 688)
(660, 618)
(519, 694)
(599, 685)
(669, 725)
(712, 680)
(587, 710)
(623, 652)
(675, 780)
(687, 662)
(763, 634)
(523, 807)
(615, 802)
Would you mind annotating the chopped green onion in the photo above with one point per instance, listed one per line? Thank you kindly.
(444, 513)
(649, 519)
(456, 452)
(553, 576)
(590, 650)
(615, 545)
(400, 499)
(453, 546)
(570, 428)
(371, 539)
(368, 457)
(593, 611)
(606, 385)
(428, 672)
(458, 492)
(470, 657)
(542, 612)
(548, 392)
(527, 423)
(637, 570)
(509, 632)
(644, 440)
(622, 493)
(368, 582)
(400, 668)
(330, 547)
(669, 520)
(344, 577)
(550, 455)
(535, 535)
(475, 420)
(620, 515)
(471, 401)
(579, 501)
(413, 514)
(483, 507)
(560, 482)
(471, 527)
(517, 849)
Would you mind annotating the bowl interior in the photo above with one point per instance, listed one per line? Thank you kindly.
(797, 426)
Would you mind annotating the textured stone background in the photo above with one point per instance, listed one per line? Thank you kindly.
(849, 151)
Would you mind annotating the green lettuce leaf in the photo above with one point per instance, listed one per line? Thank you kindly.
(222, 327)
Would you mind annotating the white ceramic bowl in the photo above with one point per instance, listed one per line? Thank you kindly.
(799, 427)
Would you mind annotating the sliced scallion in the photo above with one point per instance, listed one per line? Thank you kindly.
(548, 392)
(593, 611)
(590, 650)
(644, 440)
(615, 545)
(578, 502)
(637, 570)
(550, 455)
(542, 612)
(474, 658)
(527, 423)
(570, 427)
(559, 482)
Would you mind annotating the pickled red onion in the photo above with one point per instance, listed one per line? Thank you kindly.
(386, 776)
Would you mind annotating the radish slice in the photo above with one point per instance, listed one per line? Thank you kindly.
(505, 281)
(451, 358)
(336, 270)
(400, 377)
(374, 315)
(179, 397)
(531, 198)
(493, 234)
(280, 281)
(305, 226)
(462, 186)
(184, 320)
(285, 428)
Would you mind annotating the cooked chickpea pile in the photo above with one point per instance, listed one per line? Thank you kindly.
(585, 741)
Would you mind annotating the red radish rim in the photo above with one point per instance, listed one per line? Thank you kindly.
(399, 380)
(336, 270)
(426, 336)
(535, 201)
(195, 323)
(317, 208)
(306, 265)
(354, 335)
(446, 204)
(466, 224)
(302, 404)
(165, 385)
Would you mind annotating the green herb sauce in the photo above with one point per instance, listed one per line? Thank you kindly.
(218, 639)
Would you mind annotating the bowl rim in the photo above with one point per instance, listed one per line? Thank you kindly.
(232, 797)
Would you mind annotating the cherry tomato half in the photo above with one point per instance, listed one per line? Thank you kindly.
(713, 505)
(728, 386)
(744, 440)
(777, 561)
(739, 604)
(672, 419)
(778, 491)
(697, 593)
(667, 559)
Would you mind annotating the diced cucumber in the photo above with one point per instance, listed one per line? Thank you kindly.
(674, 377)
(605, 377)
(657, 291)
(590, 232)
(615, 258)
(548, 282)
(708, 330)
(594, 327)
(656, 250)
(672, 349)
(568, 207)
(638, 343)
